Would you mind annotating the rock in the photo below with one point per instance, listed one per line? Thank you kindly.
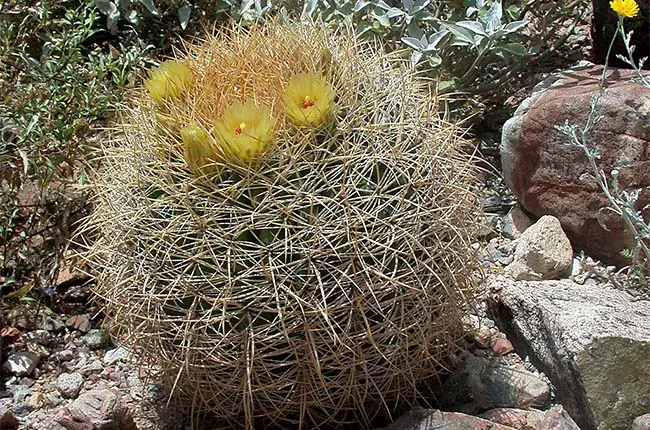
(556, 418)
(603, 29)
(93, 339)
(22, 363)
(99, 409)
(642, 422)
(483, 384)
(7, 419)
(551, 177)
(433, 419)
(52, 324)
(79, 322)
(64, 355)
(514, 223)
(592, 343)
(543, 252)
(41, 337)
(118, 354)
(70, 277)
(501, 346)
(69, 384)
(520, 419)
(20, 393)
(488, 226)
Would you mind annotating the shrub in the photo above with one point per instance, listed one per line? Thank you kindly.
(317, 278)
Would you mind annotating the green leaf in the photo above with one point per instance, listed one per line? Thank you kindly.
(184, 13)
(513, 48)
(150, 7)
(412, 42)
(513, 26)
(493, 17)
(473, 26)
(104, 6)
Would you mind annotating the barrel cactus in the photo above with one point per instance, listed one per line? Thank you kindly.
(282, 226)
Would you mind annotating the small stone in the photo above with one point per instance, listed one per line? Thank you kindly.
(65, 355)
(544, 250)
(79, 322)
(41, 337)
(69, 384)
(52, 324)
(514, 223)
(35, 400)
(488, 226)
(520, 419)
(431, 419)
(483, 384)
(641, 423)
(118, 354)
(501, 346)
(96, 409)
(93, 339)
(22, 409)
(22, 363)
(556, 418)
(94, 367)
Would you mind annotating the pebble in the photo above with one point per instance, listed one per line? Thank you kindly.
(93, 339)
(79, 322)
(52, 324)
(64, 355)
(118, 354)
(69, 384)
(41, 337)
(22, 363)
(501, 346)
(642, 422)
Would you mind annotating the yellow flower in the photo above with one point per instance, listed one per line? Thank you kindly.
(625, 8)
(244, 131)
(169, 80)
(308, 99)
(200, 150)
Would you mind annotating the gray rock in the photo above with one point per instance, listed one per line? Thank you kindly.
(488, 226)
(118, 354)
(65, 355)
(52, 324)
(22, 363)
(520, 419)
(484, 384)
(93, 339)
(69, 384)
(543, 252)
(514, 223)
(557, 418)
(433, 419)
(20, 393)
(99, 409)
(41, 337)
(592, 343)
(642, 422)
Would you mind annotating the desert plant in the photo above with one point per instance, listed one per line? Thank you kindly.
(285, 231)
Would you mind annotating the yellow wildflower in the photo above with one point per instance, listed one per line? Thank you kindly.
(625, 8)
(169, 80)
(200, 150)
(244, 131)
(308, 99)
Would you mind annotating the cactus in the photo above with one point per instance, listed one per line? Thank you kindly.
(314, 272)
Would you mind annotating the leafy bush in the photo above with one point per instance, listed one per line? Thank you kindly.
(55, 82)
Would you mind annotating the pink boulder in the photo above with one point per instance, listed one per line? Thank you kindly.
(549, 176)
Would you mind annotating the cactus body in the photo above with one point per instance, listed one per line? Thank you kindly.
(321, 284)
